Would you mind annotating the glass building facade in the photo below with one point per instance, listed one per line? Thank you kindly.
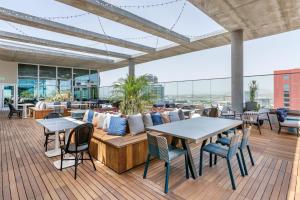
(44, 82)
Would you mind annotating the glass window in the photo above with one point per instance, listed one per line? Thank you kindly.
(81, 76)
(64, 73)
(286, 87)
(286, 77)
(48, 72)
(47, 88)
(27, 70)
(27, 88)
(94, 77)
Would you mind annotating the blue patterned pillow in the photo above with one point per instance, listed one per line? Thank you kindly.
(156, 118)
(90, 116)
(117, 126)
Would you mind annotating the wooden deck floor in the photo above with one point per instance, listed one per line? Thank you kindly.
(26, 173)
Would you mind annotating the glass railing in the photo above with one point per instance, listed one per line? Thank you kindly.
(274, 90)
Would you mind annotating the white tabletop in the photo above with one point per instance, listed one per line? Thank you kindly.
(196, 129)
(59, 124)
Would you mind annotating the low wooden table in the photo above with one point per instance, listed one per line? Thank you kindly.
(196, 130)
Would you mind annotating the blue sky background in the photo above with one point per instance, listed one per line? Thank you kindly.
(261, 56)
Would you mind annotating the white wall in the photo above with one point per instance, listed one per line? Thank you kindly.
(8, 72)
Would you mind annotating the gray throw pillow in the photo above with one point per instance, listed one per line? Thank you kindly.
(147, 120)
(173, 115)
(181, 114)
(136, 124)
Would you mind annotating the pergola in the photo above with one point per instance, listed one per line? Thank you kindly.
(242, 20)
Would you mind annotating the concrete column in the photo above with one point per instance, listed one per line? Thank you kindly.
(237, 70)
(131, 67)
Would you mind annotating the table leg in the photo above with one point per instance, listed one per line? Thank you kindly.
(24, 111)
(191, 163)
(201, 161)
(56, 150)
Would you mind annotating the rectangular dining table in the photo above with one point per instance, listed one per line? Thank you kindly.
(56, 125)
(195, 130)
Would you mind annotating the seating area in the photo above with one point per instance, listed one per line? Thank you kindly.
(273, 175)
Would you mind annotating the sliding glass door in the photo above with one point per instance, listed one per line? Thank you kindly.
(7, 95)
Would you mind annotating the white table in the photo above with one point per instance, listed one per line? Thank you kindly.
(56, 125)
(196, 130)
(25, 106)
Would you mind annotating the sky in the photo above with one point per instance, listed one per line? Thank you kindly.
(261, 56)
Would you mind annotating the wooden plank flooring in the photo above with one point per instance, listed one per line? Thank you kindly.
(26, 173)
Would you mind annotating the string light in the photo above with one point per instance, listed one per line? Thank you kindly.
(110, 5)
(16, 28)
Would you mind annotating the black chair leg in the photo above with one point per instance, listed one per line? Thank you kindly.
(297, 132)
(258, 126)
(92, 160)
(76, 163)
(250, 155)
(82, 157)
(244, 162)
(216, 158)
(270, 122)
(146, 166)
(61, 159)
(46, 143)
(167, 178)
(231, 174)
(201, 162)
(279, 129)
(240, 164)
(210, 159)
(186, 166)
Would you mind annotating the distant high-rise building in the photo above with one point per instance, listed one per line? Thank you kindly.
(287, 89)
(151, 78)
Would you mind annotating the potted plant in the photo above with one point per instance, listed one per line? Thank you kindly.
(252, 104)
(133, 94)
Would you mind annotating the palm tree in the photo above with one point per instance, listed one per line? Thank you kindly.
(134, 94)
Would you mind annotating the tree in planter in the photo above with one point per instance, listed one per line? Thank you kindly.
(253, 87)
(133, 93)
(252, 105)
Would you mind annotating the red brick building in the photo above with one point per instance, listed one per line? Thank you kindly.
(287, 89)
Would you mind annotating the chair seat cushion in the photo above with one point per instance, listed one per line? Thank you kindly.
(291, 123)
(216, 149)
(175, 153)
(72, 148)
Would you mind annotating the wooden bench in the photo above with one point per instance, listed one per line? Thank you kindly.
(120, 153)
(38, 113)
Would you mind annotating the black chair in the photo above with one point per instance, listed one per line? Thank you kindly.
(82, 135)
(13, 110)
(48, 133)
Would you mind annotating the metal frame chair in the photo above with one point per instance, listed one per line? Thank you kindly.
(13, 110)
(158, 148)
(265, 116)
(251, 118)
(82, 137)
(223, 152)
(48, 133)
(242, 145)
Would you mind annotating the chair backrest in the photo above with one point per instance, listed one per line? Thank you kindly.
(205, 112)
(83, 135)
(245, 138)
(158, 147)
(11, 107)
(250, 117)
(52, 115)
(233, 146)
(214, 112)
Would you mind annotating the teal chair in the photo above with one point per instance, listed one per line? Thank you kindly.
(242, 146)
(158, 148)
(223, 152)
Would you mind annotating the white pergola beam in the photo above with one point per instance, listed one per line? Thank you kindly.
(109, 11)
(37, 22)
(41, 56)
(59, 45)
